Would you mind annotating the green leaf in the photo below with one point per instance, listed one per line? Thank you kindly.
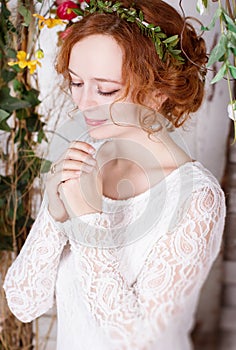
(131, 19)
(201, 6)
(21, 114)
(101, 4)
(217, 14)
(141, 16)
(11, 53)
(232, 70)
(218, 51)
(234, 51)
(174, 52)
(32, 97)
(220, 74)
(116, 6)
(160, 35)
(41, 135)
(78, 12)
(45, 166)
(132, 12)
(170, 39)
(231, 37)
(17, 85)
(7, 75)
(33, 123)
(9, 103)
(5, 12)
(157, 29)
(159, 49)
(232, 28)
(3, 117)
(16, 68)
(230, 23)
(26, 14)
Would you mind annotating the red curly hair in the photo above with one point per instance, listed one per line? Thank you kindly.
(144, 73)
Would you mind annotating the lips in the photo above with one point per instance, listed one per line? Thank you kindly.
(94, 122)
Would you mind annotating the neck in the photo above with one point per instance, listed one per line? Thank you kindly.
(134, 146)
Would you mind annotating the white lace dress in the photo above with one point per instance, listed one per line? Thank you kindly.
(129, 278)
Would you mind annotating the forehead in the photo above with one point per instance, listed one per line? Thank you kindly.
(97, 55)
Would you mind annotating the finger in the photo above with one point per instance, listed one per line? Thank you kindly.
(66, 175)
(56, 179)
(75, 154)
(80, 151)
(75, 165)
(84, 146)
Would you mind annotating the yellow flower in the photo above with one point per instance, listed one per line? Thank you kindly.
(49, 22)
(39, 54)
(23, 62)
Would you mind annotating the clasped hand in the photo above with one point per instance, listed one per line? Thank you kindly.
(74, 188)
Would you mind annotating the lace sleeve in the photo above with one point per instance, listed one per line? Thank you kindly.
(29, 283)
(133, 316)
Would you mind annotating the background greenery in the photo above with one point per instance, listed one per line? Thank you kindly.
(21, 130)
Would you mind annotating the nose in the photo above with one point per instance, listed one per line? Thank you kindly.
(85, 99)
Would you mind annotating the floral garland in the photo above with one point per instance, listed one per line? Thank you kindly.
(165, 46)
(70, 11)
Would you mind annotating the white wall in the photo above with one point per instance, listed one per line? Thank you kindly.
(209, 128)
(207, 141)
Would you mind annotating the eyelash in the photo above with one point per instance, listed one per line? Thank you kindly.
(110, 93)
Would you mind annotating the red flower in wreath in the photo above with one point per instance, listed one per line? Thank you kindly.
(65, 10)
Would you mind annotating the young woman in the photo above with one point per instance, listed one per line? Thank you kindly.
(128, 231)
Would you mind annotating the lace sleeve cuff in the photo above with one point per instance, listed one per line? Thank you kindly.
(30, 281)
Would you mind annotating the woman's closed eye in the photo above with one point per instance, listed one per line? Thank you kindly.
(107, 93)
(75, 84)
(99, 91)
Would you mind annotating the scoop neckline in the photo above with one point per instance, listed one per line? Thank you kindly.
(166, 178)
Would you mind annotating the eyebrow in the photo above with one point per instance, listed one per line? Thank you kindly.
(98, 79)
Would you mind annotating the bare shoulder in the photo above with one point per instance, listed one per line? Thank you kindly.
(139, 169)
(170, 155)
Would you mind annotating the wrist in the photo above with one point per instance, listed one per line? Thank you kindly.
(58, 214)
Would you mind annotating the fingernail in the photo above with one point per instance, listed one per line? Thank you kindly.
(78, 173)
